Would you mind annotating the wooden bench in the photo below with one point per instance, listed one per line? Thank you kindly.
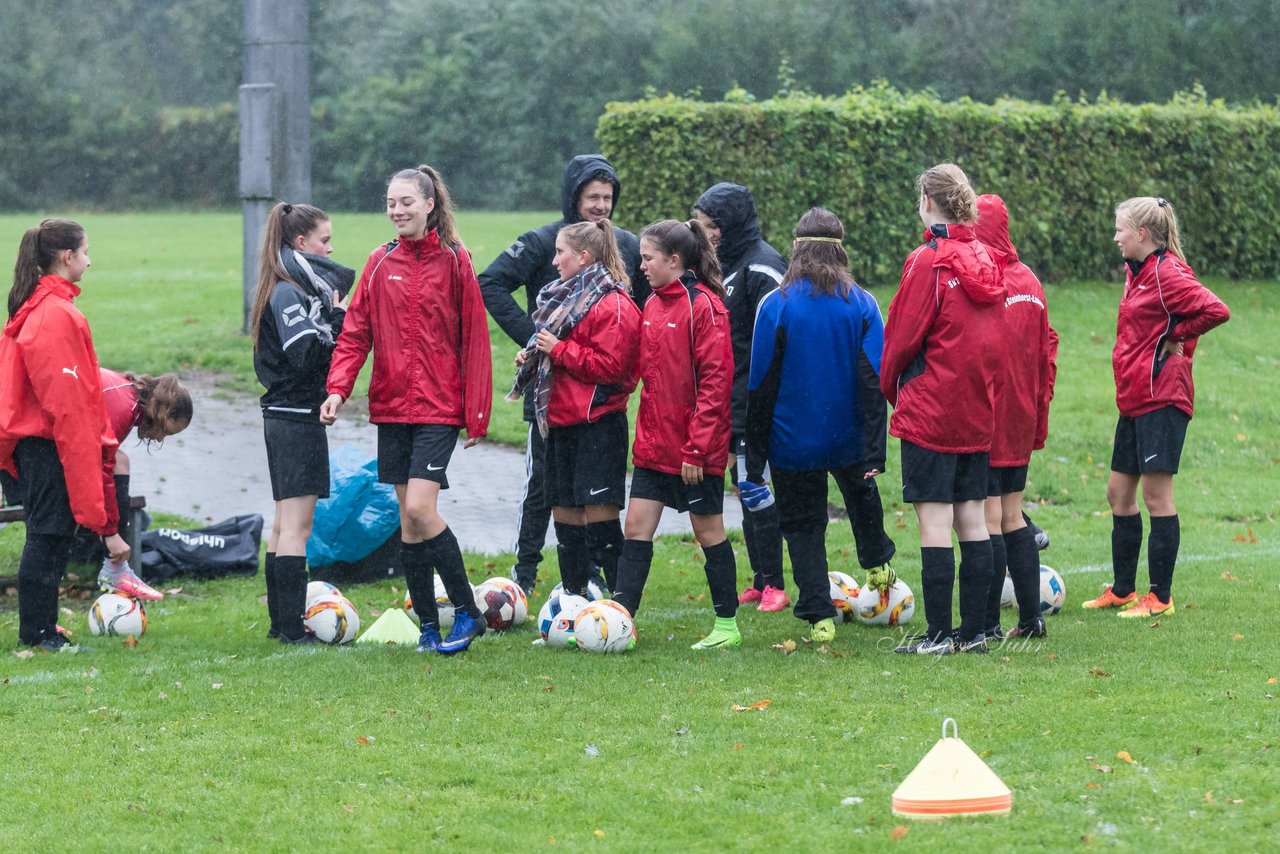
(137, 503)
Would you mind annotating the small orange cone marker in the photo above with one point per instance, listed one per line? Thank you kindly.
(951, 780)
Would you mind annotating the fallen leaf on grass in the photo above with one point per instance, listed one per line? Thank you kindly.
(24, 653)
(1093, 785)
(1237, 637)
(1208, 796)
(1124, 754)
(549, 688)
(597, 833)
(362, 739)
(1228, 576)
(1154, 625)
(173, 591)
(757, 706)
(738, 745)
(348, 809)
(1271, 681)
(898, 832)
(1105, 769)
(1099, 672)
(788, 646)
(1235, 800)
(374, 612)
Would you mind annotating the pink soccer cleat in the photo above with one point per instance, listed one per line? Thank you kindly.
(126, 583)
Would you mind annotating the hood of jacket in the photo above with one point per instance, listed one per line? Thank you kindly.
(577, 172)
(734, 211)
(960, 251)
(47, 286)
(993, 226)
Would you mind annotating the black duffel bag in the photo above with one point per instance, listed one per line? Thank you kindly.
(229, 547)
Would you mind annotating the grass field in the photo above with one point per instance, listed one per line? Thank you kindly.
(205, 736)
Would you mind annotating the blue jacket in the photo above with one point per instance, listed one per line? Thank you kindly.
(815, 400)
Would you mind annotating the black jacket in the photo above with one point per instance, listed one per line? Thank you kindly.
(527, 262)
(750, 267)
(297, 335)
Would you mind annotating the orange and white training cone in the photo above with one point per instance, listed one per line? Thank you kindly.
(951, 780)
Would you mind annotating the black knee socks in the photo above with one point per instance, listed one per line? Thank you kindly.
(937, 577)
(291, 594)
(273, 598)
(975, 579)
(763, 536)
(122, 507)
(44, 559)
(604, 544)
(446, 555)
(1024, 569)
(999, 562)
(419, 577)
(722, 572)
(633, 572)
(575, 559)
(1126, 544)
(1162, 554)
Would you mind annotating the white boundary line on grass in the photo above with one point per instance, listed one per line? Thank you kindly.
(1202, 558)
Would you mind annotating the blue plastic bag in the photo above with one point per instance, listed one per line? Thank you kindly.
(359, 514)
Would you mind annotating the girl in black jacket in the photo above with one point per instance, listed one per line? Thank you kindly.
(297, 315)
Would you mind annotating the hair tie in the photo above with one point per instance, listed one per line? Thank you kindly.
(1164, 203)
(288, 209)
(819, 240)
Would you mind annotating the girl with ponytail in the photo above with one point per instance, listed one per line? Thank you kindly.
(681, 447)
(1163, 312)
(580, 366)
(54, 433)
(418, 308)
(298, 311)
(937, 371)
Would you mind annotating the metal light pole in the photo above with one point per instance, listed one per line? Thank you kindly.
(275, 120)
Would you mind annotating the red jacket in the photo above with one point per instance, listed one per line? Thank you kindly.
(1162, 299)
(50, 388)
(941, 347)
(1029, 346)
(686, 362)
(595, 366)
(417, 306)
(121, 401)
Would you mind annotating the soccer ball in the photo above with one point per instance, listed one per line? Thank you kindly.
(517, 595)
(560, 632)
(892, 607)
(497, 607)
(1053, 590)
(594, 593)
(117, 616)
(1007, 599)
(844, 594)
(604, 626)
(332, 619)
(316, 589)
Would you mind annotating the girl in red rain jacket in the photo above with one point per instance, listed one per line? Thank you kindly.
(1163, 312)
(54, 433)
(417, 306)
(683, 425)
(941, 352)
(580, 366)
(1023, 389)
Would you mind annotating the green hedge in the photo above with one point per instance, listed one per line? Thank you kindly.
(1061, 167)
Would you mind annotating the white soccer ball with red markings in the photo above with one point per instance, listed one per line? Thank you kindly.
(497, 606)
(332, 619)
(517, 595)
(117, 616)
(891, 607)
(604, 626)
(844, 595)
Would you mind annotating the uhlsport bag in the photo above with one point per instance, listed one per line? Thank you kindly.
(229, 547)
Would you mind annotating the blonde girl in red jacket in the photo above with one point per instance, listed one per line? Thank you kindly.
(580, 367)
(1163, 312)
(418, 308)
(54, 433)
(683, 424)
(937, 371)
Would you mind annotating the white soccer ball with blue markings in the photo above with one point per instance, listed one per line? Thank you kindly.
(1053, 590)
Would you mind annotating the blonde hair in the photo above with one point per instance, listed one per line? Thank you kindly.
(948, 187)
(597, 239)
(1157, 217)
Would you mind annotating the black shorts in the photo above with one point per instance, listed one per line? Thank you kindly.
(43, 488)
(415, 450)
(932, 476)
(1004, 480)
(1150, 442)
(700, 499)
(587, 463)
(297, 458)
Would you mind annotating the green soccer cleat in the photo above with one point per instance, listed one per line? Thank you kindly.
(823, 631)
(724, 635)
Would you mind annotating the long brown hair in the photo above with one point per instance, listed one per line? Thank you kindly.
(285, 223)
(597, 239)
(691, 242)
(1157, 217)
(949, 188)
(162, 399)
(37, 254)
(431, 185)
(819, 254)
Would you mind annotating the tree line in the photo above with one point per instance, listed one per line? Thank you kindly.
(128, 103)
